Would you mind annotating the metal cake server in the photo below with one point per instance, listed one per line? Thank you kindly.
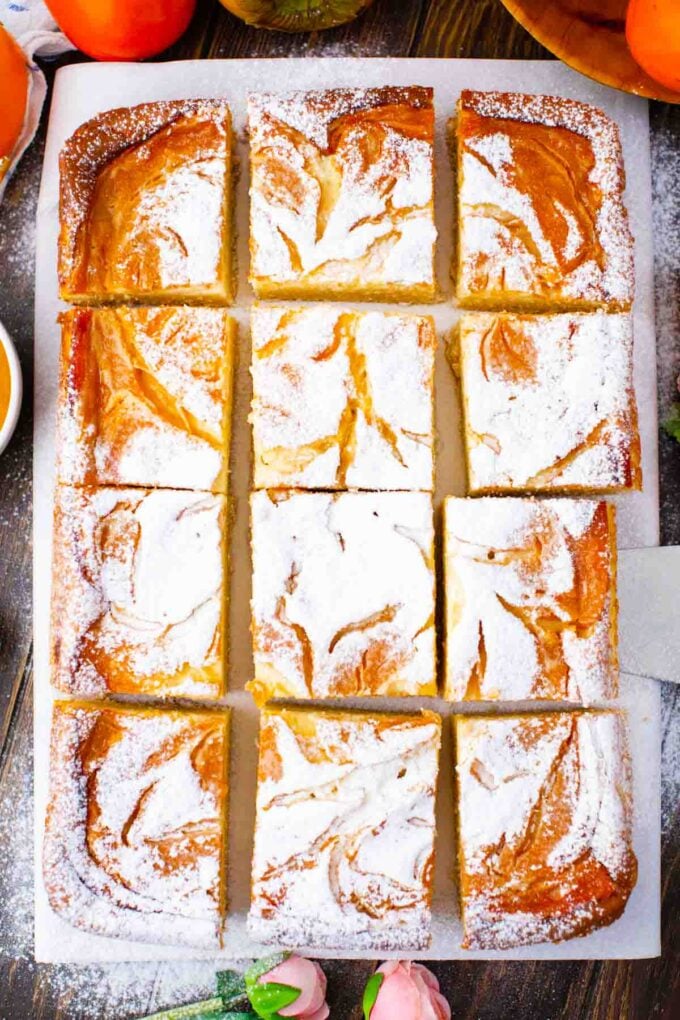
(649, 612)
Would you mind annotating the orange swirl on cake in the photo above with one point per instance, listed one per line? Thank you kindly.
(344, 837)
(145, 205)
(342, 194)
(548, 402)
(343, 594)
(139, 592)
(134, 843)
(541, 219)
(530, 600)
(342, 399)
(145, 397)
(545, 820)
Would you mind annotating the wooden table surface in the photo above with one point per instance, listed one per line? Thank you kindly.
(484, 991)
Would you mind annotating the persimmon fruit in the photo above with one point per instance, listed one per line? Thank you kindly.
(296, 15)
(122, 29)
(653, 35)
(14, 82)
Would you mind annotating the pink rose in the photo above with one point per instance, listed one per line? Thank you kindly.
(409, 992)
(310, 979)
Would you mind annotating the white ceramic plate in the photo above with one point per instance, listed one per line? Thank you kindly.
(16, 389)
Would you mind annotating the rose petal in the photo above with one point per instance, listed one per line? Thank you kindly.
(398, 998)
(426, 974)
(321, 1014)
(442, 1008)
(428, 989)
(389, 967)
(303, 974)
(426, 1009)
(321, 976)
(315, 1004)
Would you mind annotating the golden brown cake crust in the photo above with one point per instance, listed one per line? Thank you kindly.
(545, 826)
(573, 374)
(542, 220)
(138, 594)
(344, 841)
(530, 600)
(135, 829)
(144, 397)
(342, 194)
(105, 261)
(342, 399)
(325, 103)
(343, 595)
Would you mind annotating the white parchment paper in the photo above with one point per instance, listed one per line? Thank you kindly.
(85, 90)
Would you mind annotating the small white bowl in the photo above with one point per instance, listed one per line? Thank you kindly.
(15, 389)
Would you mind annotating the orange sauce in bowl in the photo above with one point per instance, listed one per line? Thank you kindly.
(5, 385)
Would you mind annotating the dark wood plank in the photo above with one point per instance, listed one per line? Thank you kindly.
(384, 29)
(17, 233)
(196, 41)
(483, 991)
(474, 28)
(665, 125)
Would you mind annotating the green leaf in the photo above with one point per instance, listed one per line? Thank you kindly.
(207, 1009)
(672, 423)
(231, 987)
(226, 1014)
(371, 990)
(263, 966)
(269, 997)
(198, 1011)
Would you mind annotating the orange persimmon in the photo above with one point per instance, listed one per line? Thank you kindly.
(653, 35)
(14, 81)
(122, 29)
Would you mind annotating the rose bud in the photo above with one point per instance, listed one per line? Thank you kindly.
(400, 990)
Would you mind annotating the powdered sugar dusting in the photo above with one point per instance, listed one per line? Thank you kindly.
(519, 626)
(134, 829)
(343, 203)
(16, 856)
(158, 379)
(232, 76)
(341, 399)
(509, 770)
(131, 989)
(313, 113)
(571, 373)
(494, 209)
(369, 631)
(137, 606)
(167, 164)
(345, 830)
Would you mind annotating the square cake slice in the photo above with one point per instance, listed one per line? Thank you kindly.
(541, 219)
(341, 194)
(145, 397)
(145, 206)
(138, 592)
(345, 830)
(342, 400)
(544, 826)
(548, 402)
(530, 600)
(343, 595)
(135, 838)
